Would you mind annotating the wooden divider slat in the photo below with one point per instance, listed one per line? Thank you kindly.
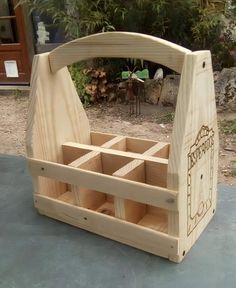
(115, 164)
(142, 171)
(70, 148)
(84, 197)
(99, 138)
(123, 188)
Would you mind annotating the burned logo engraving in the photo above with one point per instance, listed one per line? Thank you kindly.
(200, 177)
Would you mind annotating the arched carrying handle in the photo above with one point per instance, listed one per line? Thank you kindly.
(119, 45)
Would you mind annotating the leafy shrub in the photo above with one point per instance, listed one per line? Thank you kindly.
(228, 126)
(195, 24)
(81, 80)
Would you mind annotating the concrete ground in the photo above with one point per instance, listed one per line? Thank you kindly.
(36, 251)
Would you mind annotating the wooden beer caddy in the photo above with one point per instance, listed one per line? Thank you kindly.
(152, 195)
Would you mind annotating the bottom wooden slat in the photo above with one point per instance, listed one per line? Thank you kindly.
(134, 235)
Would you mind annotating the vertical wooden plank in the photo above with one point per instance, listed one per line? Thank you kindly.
(192, 168)
(84, 197)
(126, 209)
(54, 113)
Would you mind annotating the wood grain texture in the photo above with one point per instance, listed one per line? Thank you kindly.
(131, 188)
(135, 235)
(123, 188)
(142, 171)
(126, 209)
(99, 138)
(119, 45)
(55, 116)
(193, 158)
(88, 198)
(68, 147)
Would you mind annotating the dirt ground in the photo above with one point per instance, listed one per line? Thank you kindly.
(153, 123)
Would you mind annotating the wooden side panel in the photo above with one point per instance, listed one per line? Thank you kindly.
(193, 160)
(119, 45)
(55, 116)
(153, 195)
(116, 229)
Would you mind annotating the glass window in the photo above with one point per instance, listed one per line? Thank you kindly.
(7, 23)
(56, 34)
(6, 8)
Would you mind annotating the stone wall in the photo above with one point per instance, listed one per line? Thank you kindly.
(164, 92)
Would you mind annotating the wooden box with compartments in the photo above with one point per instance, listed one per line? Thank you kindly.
(151, 195)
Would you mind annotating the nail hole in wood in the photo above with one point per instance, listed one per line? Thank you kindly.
(183, 252)
(42, 168)
(201, 176)
(170, 200)
(213, 211)
(204, 64)
(85, 218)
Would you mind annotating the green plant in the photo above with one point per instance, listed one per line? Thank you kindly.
(80, 17)
(212, 29)
(195, 24)
(81, 80)
(166, 118)
(228, 126)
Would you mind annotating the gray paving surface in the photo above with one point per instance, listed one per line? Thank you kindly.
(36, 251)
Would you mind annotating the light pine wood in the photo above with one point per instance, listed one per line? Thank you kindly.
(162, 150)
(140, 146)
(55, 116)
(98, 138)
(141, 171)
(88, 198)
(117, 143)
(68, 197)
(152, 195)
(126, 209)
(72, 147)
(135, 235)
(195, 129)
(155, 222)
(119, 45)
(157, 196)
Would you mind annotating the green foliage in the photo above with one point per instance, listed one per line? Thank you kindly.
(80, 17)
(212, 29)
(228, 126)
(195, 24)
(81, 80)
(166, 118)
